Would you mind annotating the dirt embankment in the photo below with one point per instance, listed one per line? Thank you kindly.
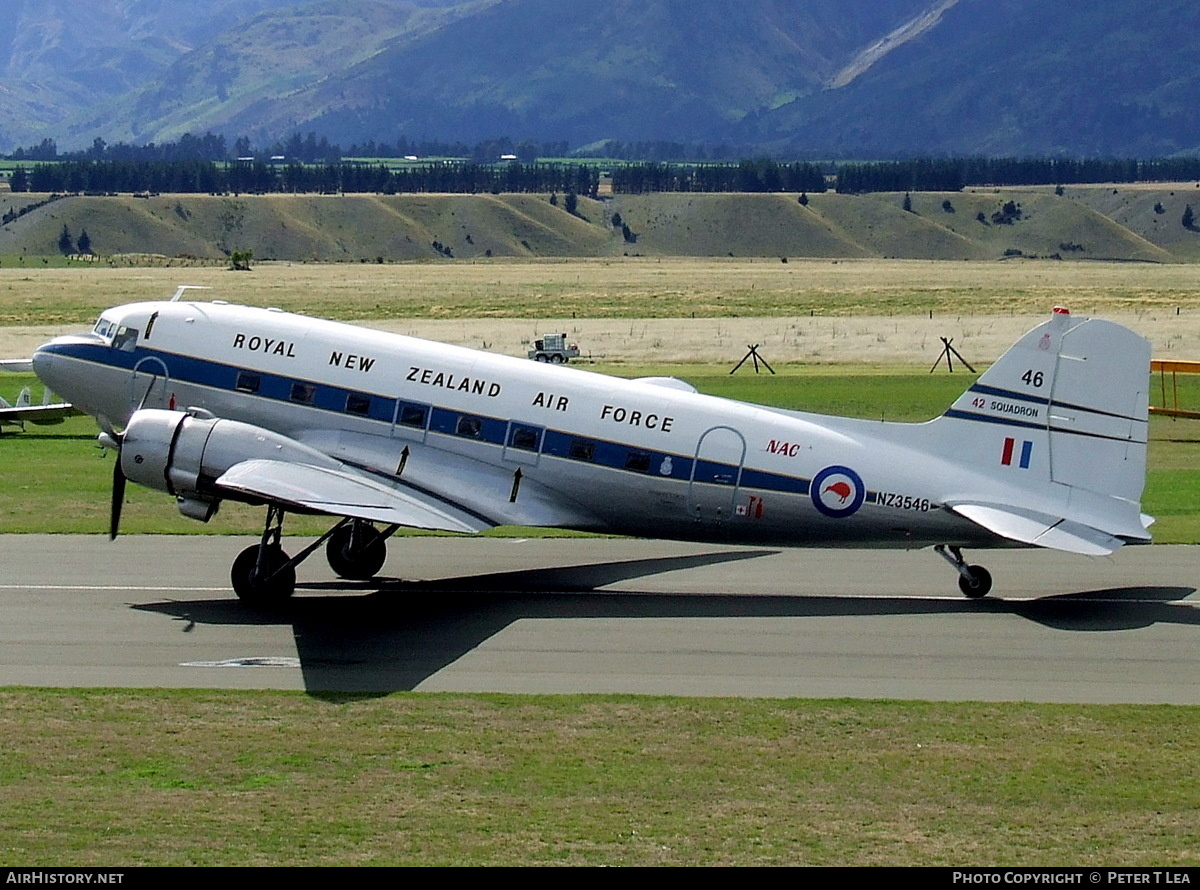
(1089, 223)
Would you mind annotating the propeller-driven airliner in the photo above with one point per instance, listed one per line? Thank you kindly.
(210, 402)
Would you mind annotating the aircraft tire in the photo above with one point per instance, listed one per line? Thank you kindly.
(979, 586)
(254, 592)
(359, 564)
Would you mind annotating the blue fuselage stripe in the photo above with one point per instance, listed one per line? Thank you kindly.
(436, 419)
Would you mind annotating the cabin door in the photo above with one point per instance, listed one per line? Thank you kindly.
(716, 475)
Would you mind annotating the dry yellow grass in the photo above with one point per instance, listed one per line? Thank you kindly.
(657, 310)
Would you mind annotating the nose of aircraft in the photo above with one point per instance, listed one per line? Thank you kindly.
(43, 362)
(47, 366)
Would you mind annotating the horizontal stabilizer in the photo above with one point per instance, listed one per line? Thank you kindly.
(1038, 529)
(343, 493)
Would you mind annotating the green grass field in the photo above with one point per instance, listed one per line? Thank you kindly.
(112, 778)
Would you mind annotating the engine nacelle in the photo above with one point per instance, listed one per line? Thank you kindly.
(184, 454)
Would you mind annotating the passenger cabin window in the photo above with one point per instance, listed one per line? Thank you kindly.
(412, 415)
(638, 461)
(468, 427)
(247, 382)
(526, 438)
(356, 403)
(582, 449)
(304, 393)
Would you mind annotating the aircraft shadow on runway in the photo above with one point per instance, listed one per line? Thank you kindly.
(396, 634)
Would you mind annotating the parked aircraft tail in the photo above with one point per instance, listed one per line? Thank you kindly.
(1061, 419)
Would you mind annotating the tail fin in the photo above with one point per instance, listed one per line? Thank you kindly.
(1062, 419)
(23, 398)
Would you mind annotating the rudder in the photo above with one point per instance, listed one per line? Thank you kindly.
(1077, 388)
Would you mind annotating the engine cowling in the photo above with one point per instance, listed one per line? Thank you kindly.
(184, 454)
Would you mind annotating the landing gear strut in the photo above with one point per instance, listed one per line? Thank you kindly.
(263, 575)
(973, 581)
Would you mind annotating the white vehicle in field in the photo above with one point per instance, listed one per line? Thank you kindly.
(553, 348)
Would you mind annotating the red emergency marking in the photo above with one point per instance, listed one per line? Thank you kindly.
(753, 509)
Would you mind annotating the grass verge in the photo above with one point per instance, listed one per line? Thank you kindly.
(229, 778)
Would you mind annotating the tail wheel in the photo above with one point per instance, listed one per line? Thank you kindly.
(977, 584)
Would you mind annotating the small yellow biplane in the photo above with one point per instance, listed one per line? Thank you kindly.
(1169, 407)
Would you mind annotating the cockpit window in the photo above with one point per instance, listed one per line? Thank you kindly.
(105, 328)
(125, 339)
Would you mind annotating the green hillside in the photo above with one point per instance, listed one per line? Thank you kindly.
(796, 78)
(542, 69)
(1085, 223)
(1023, 77)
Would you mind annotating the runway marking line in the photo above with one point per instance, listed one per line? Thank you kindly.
(111, 587)
(285, 661)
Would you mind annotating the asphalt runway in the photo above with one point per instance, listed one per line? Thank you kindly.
(598, 615)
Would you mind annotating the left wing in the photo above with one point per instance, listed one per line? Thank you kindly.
(341, 492)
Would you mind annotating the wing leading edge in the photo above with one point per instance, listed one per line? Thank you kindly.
(345, 493)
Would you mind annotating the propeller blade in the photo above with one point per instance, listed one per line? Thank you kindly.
(118, 499)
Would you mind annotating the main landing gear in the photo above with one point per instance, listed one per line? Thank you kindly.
(973, 581)
(264, 575)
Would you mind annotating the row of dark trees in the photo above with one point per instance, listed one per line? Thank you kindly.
(953, 174)
(747, 176)
(666, 166)
(468, 177)
(918, 175)
(256, 177)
